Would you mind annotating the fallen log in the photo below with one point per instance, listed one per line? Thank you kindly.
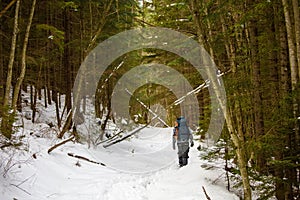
(61, 143)
(111, 138)
(125, 137)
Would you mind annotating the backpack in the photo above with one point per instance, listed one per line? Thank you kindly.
(183, 129)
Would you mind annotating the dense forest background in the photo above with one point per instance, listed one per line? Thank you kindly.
(255, 43)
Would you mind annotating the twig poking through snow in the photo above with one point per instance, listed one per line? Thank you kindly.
(86, 159)
(17, 186)
(207, 197)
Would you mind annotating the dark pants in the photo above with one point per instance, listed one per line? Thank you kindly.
(183, 153)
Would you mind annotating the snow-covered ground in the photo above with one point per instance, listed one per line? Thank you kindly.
(142, 167)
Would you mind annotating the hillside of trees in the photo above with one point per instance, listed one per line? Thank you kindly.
(256, 44)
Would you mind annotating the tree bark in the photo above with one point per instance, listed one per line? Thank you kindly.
(194, 8)
(12, 56)
(291, 45)
(33, 102)
(297, 31)
(6, 125)
(2, 78)
(23, 65)
(257, 94)
(66, 59)
(294, 81)
(297, 40)
(55, 97)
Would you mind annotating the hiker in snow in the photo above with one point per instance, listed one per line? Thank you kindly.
(182, 135)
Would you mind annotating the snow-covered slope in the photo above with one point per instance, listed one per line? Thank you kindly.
(142, 167)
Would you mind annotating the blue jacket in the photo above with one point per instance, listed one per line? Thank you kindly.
(175, 137)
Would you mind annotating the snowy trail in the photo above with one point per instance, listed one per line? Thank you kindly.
(142, 168)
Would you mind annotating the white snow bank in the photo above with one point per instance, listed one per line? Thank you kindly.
(141, 168)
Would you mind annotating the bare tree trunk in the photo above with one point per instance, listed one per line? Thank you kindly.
(241, 158)
(45, 94)
(66, 59)
(297, 31)
(67, 73)
(210, 36)
(53, 85)
(6, 126)
(12, 56)
(257, 94)
(294, 79)
(283, 92)
(55, 97)
(283, 61)
(297, 40)
(291, 45)
(2, 78)
(82, 33)
(230, 51)
(103, 126)
(237, 139)
(33, 103)
(45, 86)
(23, 65)
(48, 84)
(194, 8)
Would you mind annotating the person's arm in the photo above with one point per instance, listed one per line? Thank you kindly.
(174, 141)
(174, 137)
(191, 138)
